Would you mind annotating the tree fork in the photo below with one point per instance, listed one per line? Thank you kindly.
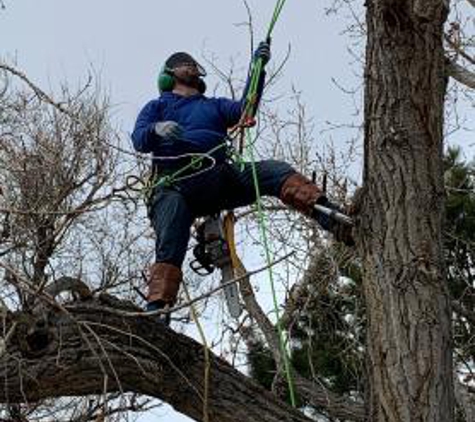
(400, 227)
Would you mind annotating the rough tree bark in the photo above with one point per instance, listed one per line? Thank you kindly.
(59, 354)
(74, 350)
(409, 332)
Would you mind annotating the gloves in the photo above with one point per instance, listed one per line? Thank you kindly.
(263, 52)
(168, 130)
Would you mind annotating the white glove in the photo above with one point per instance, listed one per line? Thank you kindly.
(168, 130)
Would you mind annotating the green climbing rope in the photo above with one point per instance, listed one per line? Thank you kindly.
(265, 241)
(256, 71)
(275, 17)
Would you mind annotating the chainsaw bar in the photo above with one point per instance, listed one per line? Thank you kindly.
(231, 291)
(213, 251)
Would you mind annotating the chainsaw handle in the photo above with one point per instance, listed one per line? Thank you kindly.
(200, 269)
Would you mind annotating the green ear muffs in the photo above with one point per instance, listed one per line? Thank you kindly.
(165, 80)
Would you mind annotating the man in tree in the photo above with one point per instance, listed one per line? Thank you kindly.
(183, 125)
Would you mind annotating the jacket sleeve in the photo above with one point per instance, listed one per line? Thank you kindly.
(259, 90)
(144, 137)
(232, 110)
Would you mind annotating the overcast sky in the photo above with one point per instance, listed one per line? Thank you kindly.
(126, 42)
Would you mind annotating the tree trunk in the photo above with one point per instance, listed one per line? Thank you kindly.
(409, 328)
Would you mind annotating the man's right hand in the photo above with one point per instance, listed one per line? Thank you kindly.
(168, 130)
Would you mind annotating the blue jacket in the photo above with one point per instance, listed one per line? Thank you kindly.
(204, 122)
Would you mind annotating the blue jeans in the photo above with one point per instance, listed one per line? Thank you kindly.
(226, 186)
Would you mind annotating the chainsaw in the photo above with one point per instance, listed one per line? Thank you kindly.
(215, 250)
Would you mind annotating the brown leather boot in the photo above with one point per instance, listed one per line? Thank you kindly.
(163, 283)
(300, 193)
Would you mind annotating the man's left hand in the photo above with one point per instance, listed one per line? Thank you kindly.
(263, 52)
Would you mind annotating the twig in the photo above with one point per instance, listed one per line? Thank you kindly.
(4, 341)
(459, 49)
(461, 310)
(99, 343)
(23, 284)
(205, 295)
(249, 24)
(207, 365)
(38, 91)
(82, 209)
(43, 96)
(151, 346)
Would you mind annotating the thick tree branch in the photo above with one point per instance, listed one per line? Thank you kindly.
(137, 354)
(460, 74)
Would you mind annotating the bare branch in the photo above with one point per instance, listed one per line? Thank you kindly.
(464, 312)
(206, 295)
(457, 46)
(465, 399)
(37, 90)
(316, 394)
(461, 74)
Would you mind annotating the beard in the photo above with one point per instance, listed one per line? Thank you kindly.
(192, 81)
